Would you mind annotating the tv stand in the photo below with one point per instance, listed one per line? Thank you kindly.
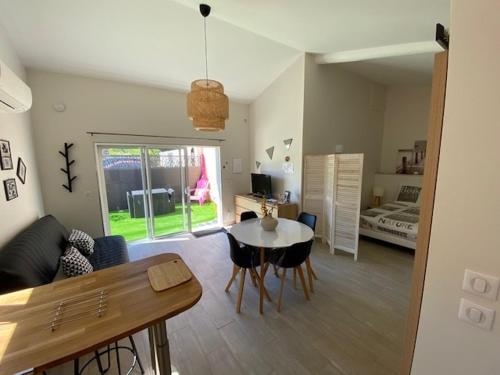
(248, 202)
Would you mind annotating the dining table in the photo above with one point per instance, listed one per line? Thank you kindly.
(287, 232)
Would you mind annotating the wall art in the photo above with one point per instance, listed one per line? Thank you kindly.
(5, 155)
(270, 152)
(21, 170)
(67, 170)
(10, 188)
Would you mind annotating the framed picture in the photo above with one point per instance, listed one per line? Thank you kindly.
(10, 189)
(286, 196)
(21, 170)
(5, 155)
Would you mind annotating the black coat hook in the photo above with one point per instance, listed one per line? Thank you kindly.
(69, 163)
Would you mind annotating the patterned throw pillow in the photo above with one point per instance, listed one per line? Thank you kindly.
(73, 263)
(82, 241)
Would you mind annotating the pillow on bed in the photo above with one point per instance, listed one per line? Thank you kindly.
(409, 194)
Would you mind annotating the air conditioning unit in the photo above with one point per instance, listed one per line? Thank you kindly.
(15, 95)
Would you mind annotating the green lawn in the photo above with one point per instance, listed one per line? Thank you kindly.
(135, 229)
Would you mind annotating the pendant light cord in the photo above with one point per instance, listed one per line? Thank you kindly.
(206, 49)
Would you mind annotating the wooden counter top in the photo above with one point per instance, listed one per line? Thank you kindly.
(27, 341)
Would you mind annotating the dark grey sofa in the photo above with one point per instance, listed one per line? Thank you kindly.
(32, 257)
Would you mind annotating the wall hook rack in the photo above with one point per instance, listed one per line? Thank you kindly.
(69, 163)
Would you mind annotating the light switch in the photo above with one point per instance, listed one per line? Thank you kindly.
(480, 284)
(477, 315)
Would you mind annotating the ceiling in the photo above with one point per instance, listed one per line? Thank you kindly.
(321, 26)
(250, 41)
(414, 69)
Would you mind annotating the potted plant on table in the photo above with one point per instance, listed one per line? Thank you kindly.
(268, 222)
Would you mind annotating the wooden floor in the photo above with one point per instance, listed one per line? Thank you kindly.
(354, 323)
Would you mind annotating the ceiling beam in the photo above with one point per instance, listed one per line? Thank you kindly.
(392, 50)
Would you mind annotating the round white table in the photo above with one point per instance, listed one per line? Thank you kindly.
(287, 233)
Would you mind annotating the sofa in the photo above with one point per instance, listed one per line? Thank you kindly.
(32, 257)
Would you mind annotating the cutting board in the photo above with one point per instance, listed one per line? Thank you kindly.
(167, 275)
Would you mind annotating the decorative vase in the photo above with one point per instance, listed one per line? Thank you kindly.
(268, 223)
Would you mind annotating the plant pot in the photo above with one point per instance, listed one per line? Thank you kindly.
(268, 223)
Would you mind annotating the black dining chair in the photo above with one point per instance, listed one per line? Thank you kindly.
(244, 258)
(310, 221)
(247, 215)
(292, 257)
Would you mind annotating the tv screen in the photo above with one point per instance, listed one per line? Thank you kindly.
(261, 184)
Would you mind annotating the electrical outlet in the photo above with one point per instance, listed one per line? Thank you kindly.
(476, 315)
(480, 284)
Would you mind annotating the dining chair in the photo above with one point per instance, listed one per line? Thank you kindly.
(310, 221)
(247, 215)
(292, 257)
(244, 258)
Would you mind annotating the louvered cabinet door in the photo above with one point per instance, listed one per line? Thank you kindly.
(349, 173)
(314, 189)
(329, 201)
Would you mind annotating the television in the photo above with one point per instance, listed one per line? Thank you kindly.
(261, 185)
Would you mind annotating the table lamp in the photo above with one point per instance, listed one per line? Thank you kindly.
(378, 193)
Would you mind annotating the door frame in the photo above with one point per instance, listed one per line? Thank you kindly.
(145, 180)
(434, 134)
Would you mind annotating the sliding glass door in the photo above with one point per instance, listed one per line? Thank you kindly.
(167, 199)
(149, 192)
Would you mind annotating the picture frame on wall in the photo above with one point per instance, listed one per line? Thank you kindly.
(5, 155)
(21, 170)
(10, 188)
(286, 196)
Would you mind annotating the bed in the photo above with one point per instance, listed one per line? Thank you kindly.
(395, 222)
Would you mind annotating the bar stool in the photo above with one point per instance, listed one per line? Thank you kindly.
(103, 370)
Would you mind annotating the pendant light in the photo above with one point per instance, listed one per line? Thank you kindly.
(207, 105)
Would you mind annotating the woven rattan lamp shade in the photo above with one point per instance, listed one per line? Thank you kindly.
(207, 106)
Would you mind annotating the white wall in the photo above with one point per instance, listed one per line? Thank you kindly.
(107, 106)
(346, 109)
(406, 120)
(16, 128)
(466, 213)
(277, 114)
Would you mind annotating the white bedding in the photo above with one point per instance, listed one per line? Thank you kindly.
(393, 219)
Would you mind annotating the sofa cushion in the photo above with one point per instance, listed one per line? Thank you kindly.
(32, 257)
(109, 251)
(74, 263)
(82, 241)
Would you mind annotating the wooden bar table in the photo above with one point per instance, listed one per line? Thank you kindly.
(27, 340)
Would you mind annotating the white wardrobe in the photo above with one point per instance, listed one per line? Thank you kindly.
(332, 192)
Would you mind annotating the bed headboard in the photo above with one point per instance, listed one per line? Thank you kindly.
(409, 194)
